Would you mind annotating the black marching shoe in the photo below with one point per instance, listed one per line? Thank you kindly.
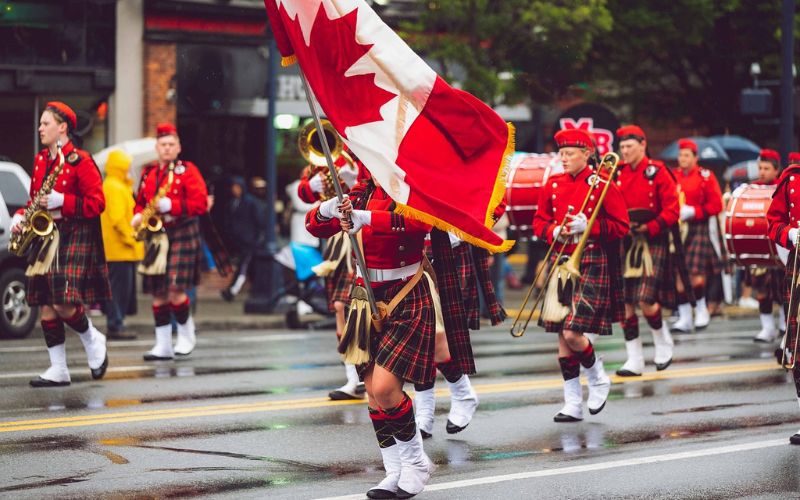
(43, 382)
(795, 439)
(376, 493)
(427, 435)
(98, 373)
(562, 418)
(663, 366)
(452, 428)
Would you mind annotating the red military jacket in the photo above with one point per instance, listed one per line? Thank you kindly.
(188, 192)
(391, 241)
(702, 191)
(79, 181)
(563, 190)
(650, 186)
(784, 211)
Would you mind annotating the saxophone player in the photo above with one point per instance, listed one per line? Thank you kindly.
(79, 275)
(185, 199)
(593, 305)
(651, 194)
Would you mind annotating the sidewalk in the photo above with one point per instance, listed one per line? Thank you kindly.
(212, 311)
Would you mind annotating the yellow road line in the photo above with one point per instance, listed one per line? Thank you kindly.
(306, 403)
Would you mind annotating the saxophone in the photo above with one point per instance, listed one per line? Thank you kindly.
(151, 219)
(37, 222)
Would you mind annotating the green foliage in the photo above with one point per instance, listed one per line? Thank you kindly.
(543, 44)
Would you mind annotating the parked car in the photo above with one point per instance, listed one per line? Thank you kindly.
(17, 318)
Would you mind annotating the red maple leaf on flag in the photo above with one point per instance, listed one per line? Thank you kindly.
(347, 100)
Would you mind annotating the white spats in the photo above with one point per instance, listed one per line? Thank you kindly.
(769, 332)
(58, 371)
(424, 407)
(387, 488)
(94, 343)
(463, 403)
(634, 365)
(663, 348)
(573, 401)
(599, 387)
(701, 316)
(186, 338)
(351, 389)
(416, 467)
(163, 348)
(684, 323)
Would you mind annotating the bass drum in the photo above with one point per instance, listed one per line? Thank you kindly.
(526, 176)
(746, 229)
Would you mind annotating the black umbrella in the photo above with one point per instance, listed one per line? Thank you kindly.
(739, 149)
(709, 153)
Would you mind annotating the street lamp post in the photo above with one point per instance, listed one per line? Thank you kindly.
(265, 282)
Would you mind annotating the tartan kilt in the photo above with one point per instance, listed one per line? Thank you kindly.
(183, 258)
(79, 274)
(595, 308)
(469, 285)
(768, 283)
(658, 288)
(338, 285)
(406, 345)
(701, 259)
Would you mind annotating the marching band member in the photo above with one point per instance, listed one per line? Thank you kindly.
(766, 283)
(79, 274)
(592, 308)
(783, 217)
(338, 279)
(462, 271)
(651, 195)
(184, 201)
(703, 201)
(404, 348)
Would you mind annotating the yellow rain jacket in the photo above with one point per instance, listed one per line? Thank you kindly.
(118, 238)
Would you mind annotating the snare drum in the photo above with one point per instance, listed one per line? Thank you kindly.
(746, 229)
(526, 176)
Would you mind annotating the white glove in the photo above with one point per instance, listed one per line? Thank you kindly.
(15, 220)
(360, 218)
(165, 205)
(556, 232)
(349, 176)
(316, 183)
(687, 212)
(55, 200)
(792, 236)
(577, 224)
(454, 240)
(330, 208)
(136, 221)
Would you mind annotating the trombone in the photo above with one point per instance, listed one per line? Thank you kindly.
(789, 364)
(518, 329)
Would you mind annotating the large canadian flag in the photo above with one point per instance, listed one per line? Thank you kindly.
(439, 152)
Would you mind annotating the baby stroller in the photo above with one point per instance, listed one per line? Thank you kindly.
(302, 292)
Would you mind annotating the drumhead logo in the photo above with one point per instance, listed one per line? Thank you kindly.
(604, 139)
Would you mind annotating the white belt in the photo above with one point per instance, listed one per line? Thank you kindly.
(399, 273)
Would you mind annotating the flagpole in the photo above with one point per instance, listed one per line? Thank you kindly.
(360, 262)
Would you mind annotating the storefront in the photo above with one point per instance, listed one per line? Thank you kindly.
(54, 50)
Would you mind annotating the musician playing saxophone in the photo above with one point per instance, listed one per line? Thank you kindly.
(783, 217)
(78, 273)
(591, 303)
(767, 282)
(651, 195)
(185, 199)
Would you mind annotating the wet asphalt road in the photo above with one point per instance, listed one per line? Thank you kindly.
(246, 416)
